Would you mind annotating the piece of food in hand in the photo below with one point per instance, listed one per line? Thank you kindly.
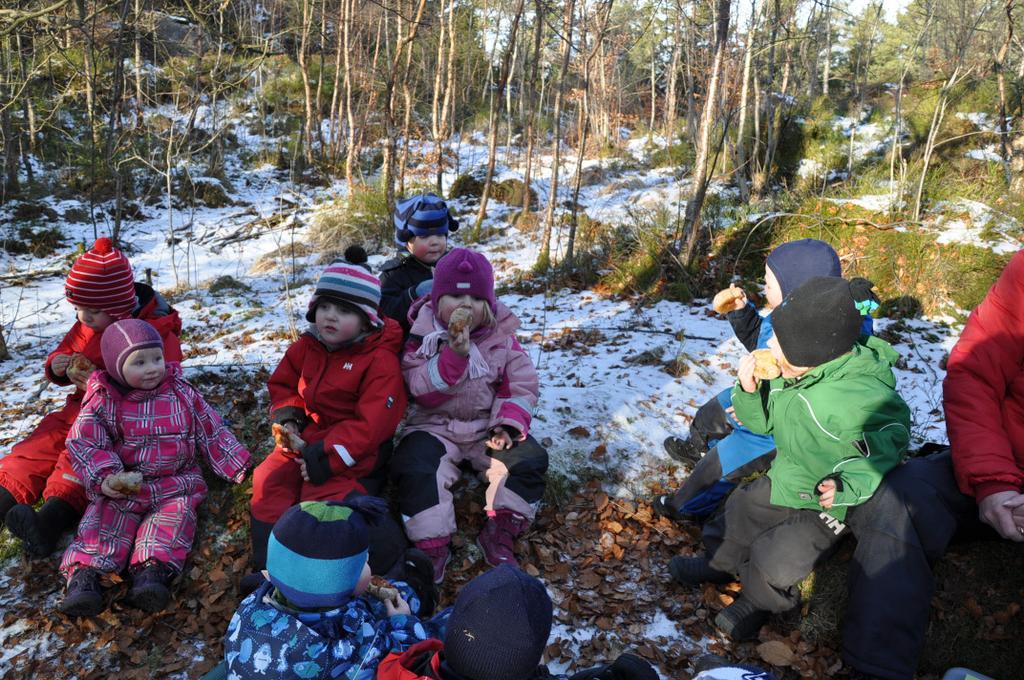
(766, 367)
(725, 300)
(458, 321)
(287, 439)
(80, 368)
(382, 589)
(127, 483)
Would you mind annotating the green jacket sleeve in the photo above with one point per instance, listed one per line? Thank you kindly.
(752, 408)
(879, 451)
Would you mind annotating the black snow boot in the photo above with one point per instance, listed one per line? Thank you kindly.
(418, 572)
(741, 620)
(259, 534)
(6, 503)
(684, 451)
(40, 531)
(84, 596)
(693, 571)
(151, 586)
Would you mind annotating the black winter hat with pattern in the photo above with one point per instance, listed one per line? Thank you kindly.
(821, 319)
(499, 627)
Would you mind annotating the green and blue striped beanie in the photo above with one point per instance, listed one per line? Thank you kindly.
(316, 553)
(349, 282)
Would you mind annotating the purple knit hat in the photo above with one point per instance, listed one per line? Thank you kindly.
(121, 338)
(463, 271)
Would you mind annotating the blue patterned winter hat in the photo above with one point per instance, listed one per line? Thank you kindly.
(425, 215)
(318, 549)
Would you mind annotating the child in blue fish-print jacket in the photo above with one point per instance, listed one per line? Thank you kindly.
(311, 618)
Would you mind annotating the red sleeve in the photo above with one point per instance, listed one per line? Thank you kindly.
(381, 405)
(284, 385)
(981, 368)
(71, 343)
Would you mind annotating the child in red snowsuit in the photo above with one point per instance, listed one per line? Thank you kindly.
(135, 446)
(339, 388)
(101, 289)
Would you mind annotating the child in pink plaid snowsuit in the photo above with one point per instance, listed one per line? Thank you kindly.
(141, 415)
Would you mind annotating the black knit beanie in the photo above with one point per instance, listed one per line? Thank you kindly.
(499, 627)
(821, 319)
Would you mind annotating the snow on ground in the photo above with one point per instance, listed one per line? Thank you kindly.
(616, 378)
(971, 222)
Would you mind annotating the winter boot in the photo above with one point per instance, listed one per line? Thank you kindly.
(259, 534)
(498, 537)
(84, 595)
(741, 620)
(418, 572)
(151, 583)
(693, 571)
(662, 506)
(437, 550)
(683, 451)
(6, 503)
(40, 531)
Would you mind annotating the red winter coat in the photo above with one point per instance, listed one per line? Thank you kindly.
(983, 392)
(419, 662)
(351, 398)
(83, 340)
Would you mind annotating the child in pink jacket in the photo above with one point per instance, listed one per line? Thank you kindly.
(473, 393)
(140, 416)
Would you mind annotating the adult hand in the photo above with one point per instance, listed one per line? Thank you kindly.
(745, 373)
(460, 342)
(827, 489)
(109, 491)
(60, 364)
(500, 439)
(997, 511)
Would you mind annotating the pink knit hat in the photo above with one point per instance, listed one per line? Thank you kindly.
(102, 279)
(462, 272)
(121, 338)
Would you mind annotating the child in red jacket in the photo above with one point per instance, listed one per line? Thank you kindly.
(339, 389)
(101, 288)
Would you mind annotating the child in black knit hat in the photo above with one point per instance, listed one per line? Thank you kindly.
(498, 630)
(839, 427)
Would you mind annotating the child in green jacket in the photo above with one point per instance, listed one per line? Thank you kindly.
(839, 427)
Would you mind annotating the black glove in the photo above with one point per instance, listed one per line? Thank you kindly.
(626, 667)
(317, 467)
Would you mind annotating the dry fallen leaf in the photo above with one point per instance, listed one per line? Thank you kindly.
(776, 653)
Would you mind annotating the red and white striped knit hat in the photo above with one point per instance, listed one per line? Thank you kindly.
(102, 279)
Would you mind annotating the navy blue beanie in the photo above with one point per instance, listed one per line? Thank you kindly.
(794, 262)
(425, 215)
(499, 627)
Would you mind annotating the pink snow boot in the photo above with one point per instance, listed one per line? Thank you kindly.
(439, 554)
(498, 537)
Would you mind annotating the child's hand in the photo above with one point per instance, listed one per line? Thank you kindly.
(239, 478)
(731, 410)
(500, 439)
(60, 364)
(301, 462)
(745, 373)
(827, 489)
(399, 606)
(107, 490)
(741, 301)
(460, 342)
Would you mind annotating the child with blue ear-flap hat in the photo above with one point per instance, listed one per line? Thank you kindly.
(422, 225)
(312, 617)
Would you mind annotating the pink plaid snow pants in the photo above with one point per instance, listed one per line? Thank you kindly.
(158, 523)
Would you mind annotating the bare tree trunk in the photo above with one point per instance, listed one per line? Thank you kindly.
(307, 88)
(353, 147)
(672, 78)
(538, 32)
(544, 260)
(826, 69)
(1003, 128)
(137, 39)
(584, 126)
(496, 97)
(701, 174)
(335, 114)
(742, 172)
